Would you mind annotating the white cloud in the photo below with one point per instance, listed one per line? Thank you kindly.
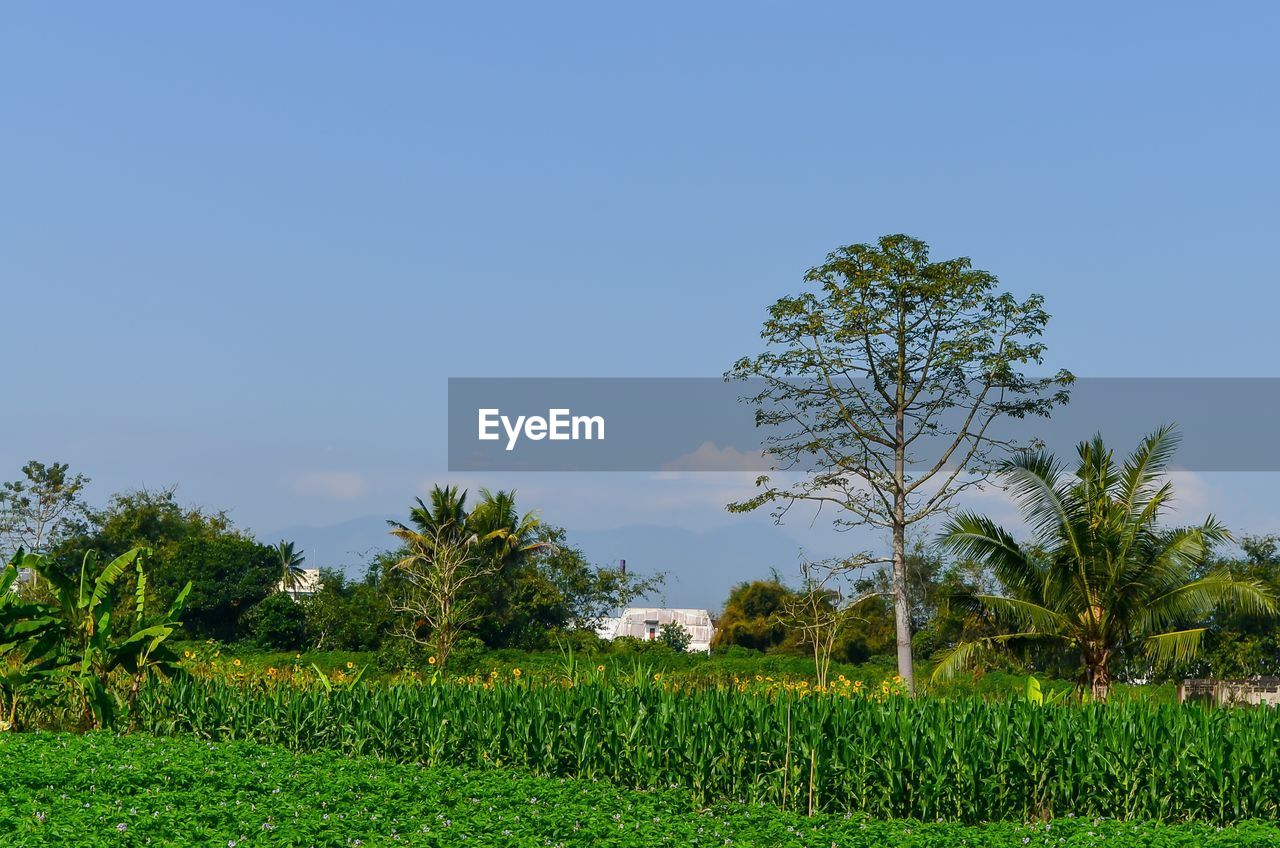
(333, 485)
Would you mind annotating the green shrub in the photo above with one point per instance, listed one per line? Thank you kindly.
(277, 622)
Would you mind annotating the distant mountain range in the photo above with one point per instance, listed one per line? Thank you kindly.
(701, 565)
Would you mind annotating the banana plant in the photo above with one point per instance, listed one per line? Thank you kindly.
(29, 636)
(90, 650)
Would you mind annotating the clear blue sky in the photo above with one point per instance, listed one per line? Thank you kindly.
(243, 246)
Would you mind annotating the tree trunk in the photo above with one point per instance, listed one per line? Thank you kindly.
(1098, 678)
(901, 608)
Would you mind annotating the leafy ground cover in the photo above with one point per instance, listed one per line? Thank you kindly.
(104, 790)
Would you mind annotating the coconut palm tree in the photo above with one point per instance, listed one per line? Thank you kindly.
(1101, 579)
(291, 569)
(459, 566)
(496, 527)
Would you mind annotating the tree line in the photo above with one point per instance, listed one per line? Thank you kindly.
(878, 395)
(537, 586)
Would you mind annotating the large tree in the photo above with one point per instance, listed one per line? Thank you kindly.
(880, 385)
(230, 572)
(753, 615)
(42, 508)
(1102, 579)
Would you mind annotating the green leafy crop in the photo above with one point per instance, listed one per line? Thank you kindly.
(103, 790)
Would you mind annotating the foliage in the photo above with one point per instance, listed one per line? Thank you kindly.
(582, 594)
(277, 621)
(852, 749)
(820, 612)
(40, 510)
(229, 571)
(880, 388)
(1104, 579)
(290, 565)
(77, 638)
(99, 790)
(752, 616)
(675, 636)
(228, 574)
(501, 540)
(1238, 642)
(435, 582)
(535, 584)
(144, 518)
(455, 563)
(346, 615)
(28, 634)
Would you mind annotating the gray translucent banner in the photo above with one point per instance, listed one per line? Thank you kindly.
(702, 424)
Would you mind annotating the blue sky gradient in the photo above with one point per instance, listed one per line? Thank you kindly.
(245, 245)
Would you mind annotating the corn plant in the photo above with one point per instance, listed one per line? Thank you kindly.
(931, 759)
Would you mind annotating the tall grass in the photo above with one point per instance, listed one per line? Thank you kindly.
(931, 759)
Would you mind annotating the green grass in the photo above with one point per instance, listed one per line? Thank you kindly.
(104, 790)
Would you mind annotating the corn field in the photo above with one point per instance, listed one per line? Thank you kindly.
(928, 759)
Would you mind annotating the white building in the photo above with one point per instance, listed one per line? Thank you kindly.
(646, 623)
(306, 584)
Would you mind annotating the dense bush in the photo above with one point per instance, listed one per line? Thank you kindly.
(277, 621)
(932, 759)
(101, 790)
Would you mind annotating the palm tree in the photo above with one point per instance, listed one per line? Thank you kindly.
(509, 535)
(495, 525)
(1102, 580)
(457, 568)
(291, 570)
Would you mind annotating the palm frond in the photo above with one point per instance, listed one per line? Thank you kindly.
(1173, 648)
(966, 655)
(1197, 598)
(976, 537)
(1024, 615)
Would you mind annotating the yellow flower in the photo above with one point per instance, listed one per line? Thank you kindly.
(515, 672)
(236, 662)
(493, 673)
(187, 654)
(297, 656)
(431, 660)
(657, 677)
(599, 668)
(351, 664)
(217, 653)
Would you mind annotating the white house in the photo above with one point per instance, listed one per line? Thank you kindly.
(646, 623)
(306, 585)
